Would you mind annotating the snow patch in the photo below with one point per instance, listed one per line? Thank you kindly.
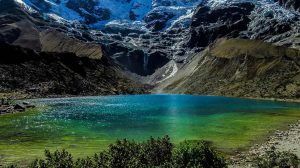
(26, 5)
(262, 6)
(171, 70)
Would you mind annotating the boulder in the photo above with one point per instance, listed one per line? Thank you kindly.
(28, 105)
(3, 111)
(19, 107)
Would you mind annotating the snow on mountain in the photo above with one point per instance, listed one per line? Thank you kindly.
(101, 13)
(142, 15)
(265, 7)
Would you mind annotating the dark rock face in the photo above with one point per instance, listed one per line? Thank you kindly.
(209, 24)
(148, 53)
(292, 4)
(266, 28)
(42, 74)
(156, 60)
(156, 21)
(87, 10)
(133, 61)
(138, 61)
(280, 30)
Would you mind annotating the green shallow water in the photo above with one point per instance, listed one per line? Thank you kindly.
(86, 125)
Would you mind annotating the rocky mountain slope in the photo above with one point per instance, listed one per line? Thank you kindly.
(293, 4)
(40, 74)
(144, 35)
(40, 59)
(240, 68)
(18, 27)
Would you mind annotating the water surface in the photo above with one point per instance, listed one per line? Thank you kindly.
(85, 125)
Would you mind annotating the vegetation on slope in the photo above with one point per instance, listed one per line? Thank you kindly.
(241, 68)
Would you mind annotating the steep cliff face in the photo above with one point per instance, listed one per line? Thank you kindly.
(241, 68)
(209, 24)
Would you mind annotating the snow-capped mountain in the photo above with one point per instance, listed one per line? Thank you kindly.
(149, 36)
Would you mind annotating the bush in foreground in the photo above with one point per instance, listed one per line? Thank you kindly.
(158, 153)
(130, 154)
(197, 155)
(273, 158)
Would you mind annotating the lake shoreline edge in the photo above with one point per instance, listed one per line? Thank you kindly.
(283, 139)
(22, 96)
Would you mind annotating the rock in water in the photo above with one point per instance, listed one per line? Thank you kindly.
(19, 107)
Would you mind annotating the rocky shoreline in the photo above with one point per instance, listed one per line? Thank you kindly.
(275, 99)
(7, 106)
(285, 140)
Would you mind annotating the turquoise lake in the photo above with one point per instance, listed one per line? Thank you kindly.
(85, 125)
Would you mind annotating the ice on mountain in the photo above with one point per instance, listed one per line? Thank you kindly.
(121, 10)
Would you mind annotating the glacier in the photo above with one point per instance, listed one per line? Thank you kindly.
(120, 11)
(131, 14)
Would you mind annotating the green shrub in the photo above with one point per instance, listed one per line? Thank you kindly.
(154, 152)
(124, 154)
(58, 159)
(102, 160)
(273, 158)
(85, 163)
(159, 153)
(199, 154)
